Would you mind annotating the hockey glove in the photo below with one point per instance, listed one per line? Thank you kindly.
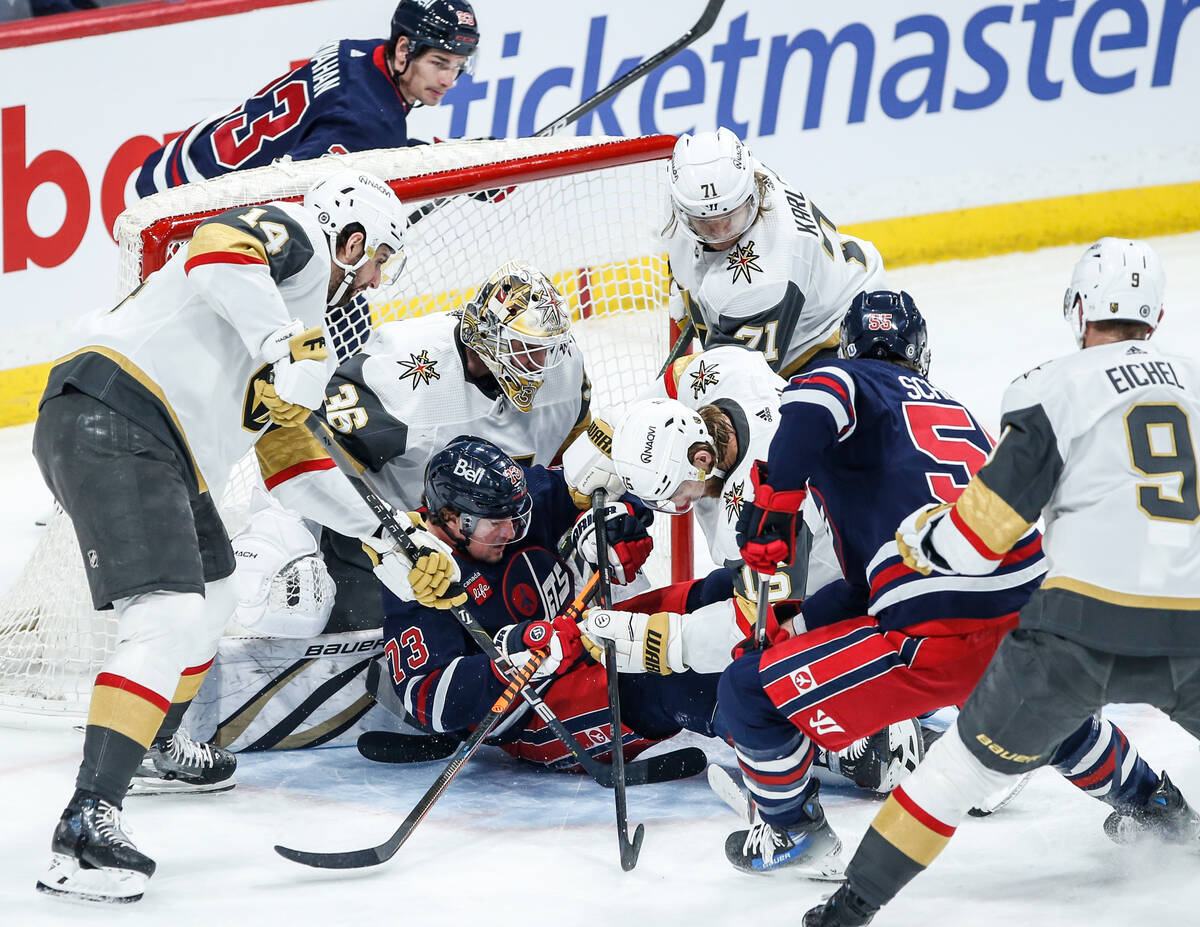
(766, 528)
(299, 374)
(427, 579)
(516, 642)
(914, 542)
(629, 543)
(644, 643)
(588, 466)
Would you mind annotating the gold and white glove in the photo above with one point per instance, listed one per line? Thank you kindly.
(588, 466)
(644, 643)
(425, 580)
(299, 374)
(911, 538)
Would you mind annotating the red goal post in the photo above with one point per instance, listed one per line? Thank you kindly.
(587, 211)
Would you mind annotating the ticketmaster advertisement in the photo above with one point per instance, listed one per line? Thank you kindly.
(878, 109)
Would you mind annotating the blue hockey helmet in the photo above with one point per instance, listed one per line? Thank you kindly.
(473, 478)
(445, 24)
(886, 325)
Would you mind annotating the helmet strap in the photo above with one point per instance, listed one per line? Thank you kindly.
(351, 270)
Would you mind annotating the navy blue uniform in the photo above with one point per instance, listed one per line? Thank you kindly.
(448, 684)
(342, 100)
(875, 441)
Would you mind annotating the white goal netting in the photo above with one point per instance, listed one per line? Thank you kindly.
(587, 211)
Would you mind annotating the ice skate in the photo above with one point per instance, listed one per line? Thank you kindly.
(182, 765)
(881, 761)
(1166, 816)
(842, 909)
(92, 858)
(808, 847)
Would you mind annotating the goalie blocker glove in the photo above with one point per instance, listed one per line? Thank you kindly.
(427, 580)
(629, 543)
(517, 642)
(766, 528)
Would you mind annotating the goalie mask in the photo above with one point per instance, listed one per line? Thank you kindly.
(347, 198)
(518, 325)
(651, 448)
(714, 194)
(1117, 279)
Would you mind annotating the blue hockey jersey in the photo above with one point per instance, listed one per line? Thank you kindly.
(446, 682)
(342, 100)
(875, 441)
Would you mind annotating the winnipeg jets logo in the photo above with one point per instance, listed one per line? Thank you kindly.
(420, 368)
(732, 498)
(702, 378)
(742, 261)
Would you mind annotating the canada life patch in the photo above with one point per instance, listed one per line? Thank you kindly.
(479, 589)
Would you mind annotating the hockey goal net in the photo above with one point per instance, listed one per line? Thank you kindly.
(587, 211)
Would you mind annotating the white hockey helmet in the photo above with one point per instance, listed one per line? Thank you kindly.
(650, 451)
(714, 194)
(519, 325)
(1117, 279)
(347, 197)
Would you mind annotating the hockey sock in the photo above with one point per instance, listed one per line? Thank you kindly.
(122, 720)
(1099, 759)
(778, 778)
(189, 684)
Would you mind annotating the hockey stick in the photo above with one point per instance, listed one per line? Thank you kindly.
(760, 611)
(712, 10)
(629, 849)
(679, 348)
(373, 856)
(678, 764)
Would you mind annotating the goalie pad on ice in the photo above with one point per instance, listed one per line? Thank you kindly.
(284, 589)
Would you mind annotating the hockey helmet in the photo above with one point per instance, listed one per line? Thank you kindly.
(885, 325)
(349, 197)
(1117, 279)
(519, 326)
(650, 450)
(475, 479)
(448, 25)
(714, 194)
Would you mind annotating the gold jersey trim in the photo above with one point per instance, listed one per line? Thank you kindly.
(1129, 600)
(992, 519)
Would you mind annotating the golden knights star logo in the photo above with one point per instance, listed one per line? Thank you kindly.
(702, 378)
(742, 261)
(733, 500)
(420, 368)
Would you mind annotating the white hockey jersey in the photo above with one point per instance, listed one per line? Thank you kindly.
(1100, 442)
(400, 401)
(783, 288)
(182, 352)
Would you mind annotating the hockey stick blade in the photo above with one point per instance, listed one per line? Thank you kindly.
(392, 747)
(666, 767)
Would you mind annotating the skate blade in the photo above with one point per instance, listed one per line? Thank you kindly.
(726, 788)
(67, 880)
(175, 787)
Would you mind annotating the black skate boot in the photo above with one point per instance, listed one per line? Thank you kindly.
(1166, 816)
(881, 761)
(842, 909)
(92, 859)
(182, 765)
(809, 846)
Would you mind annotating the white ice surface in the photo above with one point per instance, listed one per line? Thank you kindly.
(509, 845)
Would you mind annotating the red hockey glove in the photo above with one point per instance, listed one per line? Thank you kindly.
(766, 528)
(629, 543)
(560, 636)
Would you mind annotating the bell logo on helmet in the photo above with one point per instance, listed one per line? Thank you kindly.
(467, 472)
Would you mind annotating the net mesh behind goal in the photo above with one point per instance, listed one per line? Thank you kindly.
(586, 211)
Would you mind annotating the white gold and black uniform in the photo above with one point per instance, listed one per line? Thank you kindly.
(1101, 444)
(783, 287)
(740, 383)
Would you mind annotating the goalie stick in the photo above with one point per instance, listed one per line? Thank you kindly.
(629, 848)
(682, 763)
(712, 9)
